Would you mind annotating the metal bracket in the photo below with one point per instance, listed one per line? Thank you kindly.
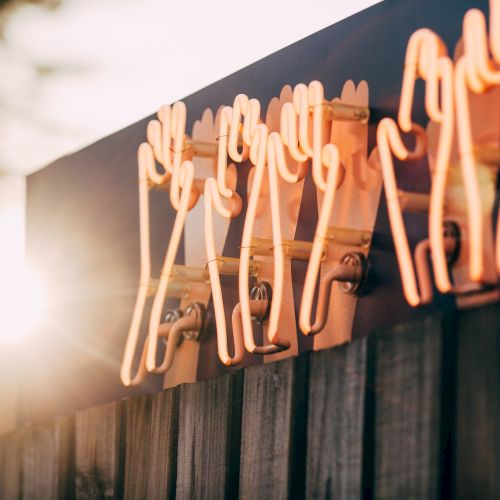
(196, 309)
(262, 291)
(350, 237)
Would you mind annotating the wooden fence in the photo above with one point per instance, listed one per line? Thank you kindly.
(413, 412)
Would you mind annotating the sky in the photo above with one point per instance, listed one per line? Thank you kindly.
(87, 68)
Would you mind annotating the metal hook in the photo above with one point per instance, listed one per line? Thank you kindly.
(178, 327)
(260, 307)
(171, 338)
(262, 291)
(352, 273)
(198, 311)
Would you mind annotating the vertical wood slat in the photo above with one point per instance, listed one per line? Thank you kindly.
(406, 393)
(335, 422)
(273, 448)
(209, 438)
(48, 460)
(478, 405)
(407, 410)
(98, 460)
(151, 428)
(11, 466)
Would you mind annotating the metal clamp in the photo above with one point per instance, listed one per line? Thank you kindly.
(352, 273)
(262, 291)
(199, 311)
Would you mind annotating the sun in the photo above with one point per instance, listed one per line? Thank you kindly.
(22, 303)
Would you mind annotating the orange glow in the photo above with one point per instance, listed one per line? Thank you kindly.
(475, 71)
(23, 303)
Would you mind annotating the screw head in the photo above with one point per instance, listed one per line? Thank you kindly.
(195, 309)
(171, 316)
(360, 262)
(262, 290)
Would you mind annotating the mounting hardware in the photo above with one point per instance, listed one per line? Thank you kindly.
(349, 237)
(414, 202)
(230, 266)
(293, 249)
(357, 284)
(199, 310)
(171, 316)
(262, 291)
(345, 112)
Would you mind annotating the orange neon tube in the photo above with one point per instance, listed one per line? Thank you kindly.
(228, 204)
(426, 57)
(258, 156)
(476, 72)
(147, 176)
(389, 142)
(165, 143)
(185, 176)
(330, 157)
(145, 159)
(213, 199)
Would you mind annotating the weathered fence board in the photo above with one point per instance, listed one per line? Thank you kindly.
(48, 460)
(407, 412)
(273, 447)
(11, 465)
(98, 461)
(410, 412)
(335, 422)
(151, 428)
(209, 438)
(478, 405)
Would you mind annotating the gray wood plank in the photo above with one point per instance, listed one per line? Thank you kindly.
(335, 422)
(209, 438)
(407, 410)
(11, 466)
(48, 460)
(151, 427)
(98, 460)
(273, 447)
(478, 404)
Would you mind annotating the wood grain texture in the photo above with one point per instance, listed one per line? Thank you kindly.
(407, 411)
(410, 412)
(98, 460)
(48, 460)
(478, 405)
(335, 422)
(151, 427)
(273, 447)
(11, 466)
(209, 438)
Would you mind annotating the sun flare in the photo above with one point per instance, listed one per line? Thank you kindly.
(22, 303)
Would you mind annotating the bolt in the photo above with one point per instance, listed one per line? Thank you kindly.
(262, 290)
